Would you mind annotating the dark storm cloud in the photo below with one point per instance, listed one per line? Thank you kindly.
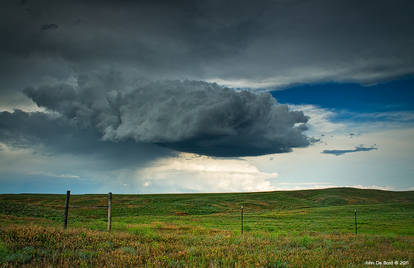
(189, 116)
(50, 26)
(55, 135)
(360, 148)
(241, 43)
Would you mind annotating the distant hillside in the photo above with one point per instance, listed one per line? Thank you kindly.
(203, 204)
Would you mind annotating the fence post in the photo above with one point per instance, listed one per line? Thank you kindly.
(65, 219)
(356, 225)
(109, 211)
(241, 218)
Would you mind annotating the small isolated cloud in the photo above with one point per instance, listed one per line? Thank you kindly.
(187, 116)
(360, 148)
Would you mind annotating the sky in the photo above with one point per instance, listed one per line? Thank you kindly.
(205, 96)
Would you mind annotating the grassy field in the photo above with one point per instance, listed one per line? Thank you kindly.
(281, 229)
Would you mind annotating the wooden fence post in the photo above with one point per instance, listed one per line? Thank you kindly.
(109, 211)
(356, 225)
(241, 218)
(65, 220)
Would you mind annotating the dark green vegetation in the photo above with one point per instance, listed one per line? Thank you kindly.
(289, 228)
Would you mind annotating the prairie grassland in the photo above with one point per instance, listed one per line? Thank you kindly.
(281, 229)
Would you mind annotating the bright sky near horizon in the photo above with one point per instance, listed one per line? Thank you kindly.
(205, 96)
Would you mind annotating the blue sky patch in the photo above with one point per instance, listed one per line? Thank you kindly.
(397, 95)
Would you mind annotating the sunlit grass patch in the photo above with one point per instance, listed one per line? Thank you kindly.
(37, 245)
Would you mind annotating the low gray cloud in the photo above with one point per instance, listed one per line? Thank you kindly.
(54, 135)
(360, 148)
(188, 116)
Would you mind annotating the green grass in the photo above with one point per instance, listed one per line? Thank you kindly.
(286, 228)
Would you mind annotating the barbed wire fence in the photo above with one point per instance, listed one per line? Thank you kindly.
(246, 218)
